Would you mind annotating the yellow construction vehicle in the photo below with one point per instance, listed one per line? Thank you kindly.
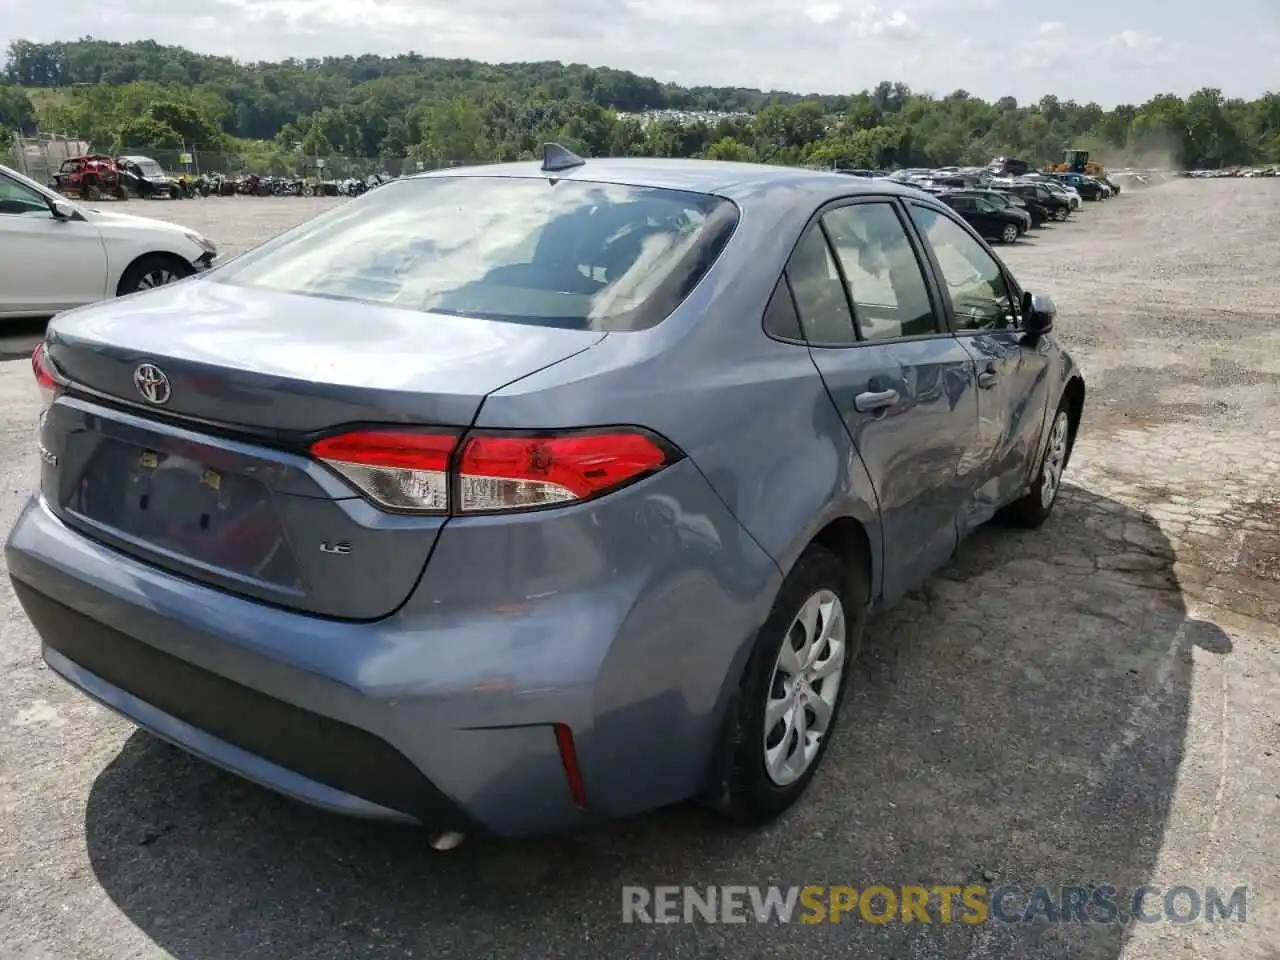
(1077, 161)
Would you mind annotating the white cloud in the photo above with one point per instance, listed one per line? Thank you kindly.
(1134, 40)
(824, 12)
(1051, 47)
(1133, 48)
(872, 21)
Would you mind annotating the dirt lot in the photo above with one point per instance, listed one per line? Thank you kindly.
(1095, 703)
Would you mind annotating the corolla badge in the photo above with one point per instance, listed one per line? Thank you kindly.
(152, 383)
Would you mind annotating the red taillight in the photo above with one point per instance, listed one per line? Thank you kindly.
(510, 473)
(396, 469)
(47, 377)
(416, 471)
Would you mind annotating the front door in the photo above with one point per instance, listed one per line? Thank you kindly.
(902, 384)
(1013, 371)
(46, 264)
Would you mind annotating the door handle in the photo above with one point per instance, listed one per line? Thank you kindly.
(875, 400)
(988, 379)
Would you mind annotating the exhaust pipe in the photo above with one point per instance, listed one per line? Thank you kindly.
(447, 840)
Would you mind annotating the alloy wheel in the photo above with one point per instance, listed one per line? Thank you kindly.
(805, 687)
(157, 278)
(1055, 461)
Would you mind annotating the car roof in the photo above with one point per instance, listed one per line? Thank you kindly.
(751, 182)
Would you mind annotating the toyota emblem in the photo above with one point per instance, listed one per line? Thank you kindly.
(152, 383)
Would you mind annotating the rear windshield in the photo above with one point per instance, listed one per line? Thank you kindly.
(591, 256)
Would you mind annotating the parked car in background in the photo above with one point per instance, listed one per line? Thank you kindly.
(1055, 206)
(993, 220)
(1039, 214)
(55, 254)
(143, 177)
(1036, 215)
(589, 532)
(1062, 190)
(89, 178)
(1087, 187)
(951, 181)
(1010, 167)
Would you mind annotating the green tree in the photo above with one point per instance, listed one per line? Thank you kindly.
(16, 111)
(727, 148)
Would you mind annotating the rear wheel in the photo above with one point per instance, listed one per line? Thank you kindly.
(92, 192)
(792, 688)
(154, 270)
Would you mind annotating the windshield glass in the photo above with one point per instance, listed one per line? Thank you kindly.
(150, 168)
(561, 253)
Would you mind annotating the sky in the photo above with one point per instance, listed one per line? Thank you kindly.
(1108, 51)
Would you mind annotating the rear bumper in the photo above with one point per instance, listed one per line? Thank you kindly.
(442, 715)
(327, 763)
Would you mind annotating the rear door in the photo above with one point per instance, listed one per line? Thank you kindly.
(900, 382)
(983, 306)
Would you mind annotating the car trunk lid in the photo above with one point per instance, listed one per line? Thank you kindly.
(212, 480)
(284, 363)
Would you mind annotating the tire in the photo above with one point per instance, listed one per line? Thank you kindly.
(1060, 214)
(92, 192)
(751, 789)
(1009, 233)
(153, 270)
(1034, 508)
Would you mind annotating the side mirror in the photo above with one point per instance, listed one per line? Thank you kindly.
(62, 210)
(1038, 313)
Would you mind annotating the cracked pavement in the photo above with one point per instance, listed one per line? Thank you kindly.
(1094, 702)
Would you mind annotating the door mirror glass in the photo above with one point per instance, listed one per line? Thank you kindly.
(1039, 313)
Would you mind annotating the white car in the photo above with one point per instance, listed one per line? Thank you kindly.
(55, 254)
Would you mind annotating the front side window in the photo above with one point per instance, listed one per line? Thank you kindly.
(888, 290)
(19, 200)
(567, 253)
(972, 278)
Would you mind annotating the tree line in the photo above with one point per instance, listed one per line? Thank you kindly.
(441, 112)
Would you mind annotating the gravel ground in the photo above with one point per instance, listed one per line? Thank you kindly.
(1093, 703)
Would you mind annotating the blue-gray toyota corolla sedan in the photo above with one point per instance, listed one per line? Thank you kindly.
(509, 498)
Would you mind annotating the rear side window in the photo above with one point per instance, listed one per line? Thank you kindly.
(567, 253)
(819, 292)
(890, 297)
(780, 317)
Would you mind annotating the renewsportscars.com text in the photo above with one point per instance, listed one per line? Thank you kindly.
(933, 904)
